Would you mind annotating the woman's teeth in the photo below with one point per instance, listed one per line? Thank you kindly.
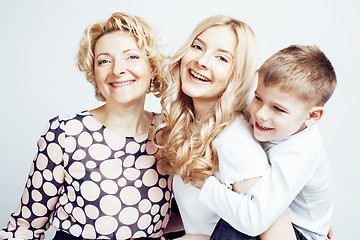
(121, 83)
(200, 77)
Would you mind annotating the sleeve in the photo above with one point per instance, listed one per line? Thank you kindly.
(240, 155)
(31, 218)
(255, 212)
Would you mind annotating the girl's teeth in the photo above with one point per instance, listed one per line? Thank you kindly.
(198, 76)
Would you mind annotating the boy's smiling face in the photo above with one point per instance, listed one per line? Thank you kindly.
(277, 114)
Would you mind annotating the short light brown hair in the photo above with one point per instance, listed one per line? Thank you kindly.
(147, 42)
(304, 69)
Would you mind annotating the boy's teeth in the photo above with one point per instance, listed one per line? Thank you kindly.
(200, 77)
(263, 127)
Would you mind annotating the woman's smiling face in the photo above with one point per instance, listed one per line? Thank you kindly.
(206, 67)
(122, 70)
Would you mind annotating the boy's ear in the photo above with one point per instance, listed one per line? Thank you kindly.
(314, 115)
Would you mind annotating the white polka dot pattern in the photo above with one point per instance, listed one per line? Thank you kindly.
(94, 183)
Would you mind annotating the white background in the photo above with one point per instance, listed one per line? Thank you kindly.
(39, 41)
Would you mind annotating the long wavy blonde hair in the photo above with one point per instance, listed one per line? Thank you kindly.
(147, 41)
(191, 153)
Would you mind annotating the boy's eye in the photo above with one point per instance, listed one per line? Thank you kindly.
(257, 98)
(279, 109)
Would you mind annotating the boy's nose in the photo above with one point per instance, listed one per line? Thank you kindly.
(262, 115)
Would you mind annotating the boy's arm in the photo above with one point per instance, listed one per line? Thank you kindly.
(281, 228)
(253, 214)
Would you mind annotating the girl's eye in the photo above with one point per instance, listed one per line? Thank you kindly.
(221, 58)
(279, 109)
(197, 47)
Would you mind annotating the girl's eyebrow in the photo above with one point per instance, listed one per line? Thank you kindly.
(219, 49)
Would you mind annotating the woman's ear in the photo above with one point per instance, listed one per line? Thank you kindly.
(153, 71)
(314, 115)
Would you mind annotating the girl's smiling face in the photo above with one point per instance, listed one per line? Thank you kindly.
(206, 67)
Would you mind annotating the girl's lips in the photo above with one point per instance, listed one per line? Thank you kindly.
(198, 77)
(122, 83)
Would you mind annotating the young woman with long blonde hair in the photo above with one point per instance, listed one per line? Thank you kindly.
(206, 131)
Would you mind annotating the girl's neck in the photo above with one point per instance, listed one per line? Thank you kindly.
(202, 108)
(127, 121)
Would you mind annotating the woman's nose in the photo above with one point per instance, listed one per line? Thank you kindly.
(118, 68)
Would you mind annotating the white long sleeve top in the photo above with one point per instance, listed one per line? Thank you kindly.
(240, 157)
(299, 177)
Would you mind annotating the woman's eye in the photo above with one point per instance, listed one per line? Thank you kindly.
(103, 62)
(133, 57)
(197, 47)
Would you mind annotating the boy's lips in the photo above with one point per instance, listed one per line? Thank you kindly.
(262, 128)
(198, 76)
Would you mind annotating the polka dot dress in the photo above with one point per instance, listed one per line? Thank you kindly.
(94, 183)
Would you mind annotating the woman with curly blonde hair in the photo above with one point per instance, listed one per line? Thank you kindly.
(206, 131)
(95, 175)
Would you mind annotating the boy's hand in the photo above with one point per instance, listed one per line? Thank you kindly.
(330, 233)
(199, 182)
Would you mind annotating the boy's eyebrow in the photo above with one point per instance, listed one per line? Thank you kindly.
(219, 49)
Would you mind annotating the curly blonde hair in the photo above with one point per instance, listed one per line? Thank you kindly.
(147, 42)
(192, 153)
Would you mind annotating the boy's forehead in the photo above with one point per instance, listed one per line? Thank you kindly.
(282, 95)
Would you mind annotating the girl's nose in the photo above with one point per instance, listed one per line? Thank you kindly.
(203, 61)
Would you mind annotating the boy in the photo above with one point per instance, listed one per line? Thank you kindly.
(293, 86)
